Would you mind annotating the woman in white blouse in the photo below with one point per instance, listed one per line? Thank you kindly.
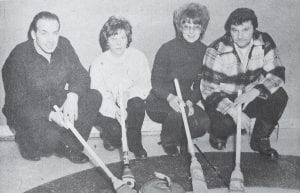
(121, 66)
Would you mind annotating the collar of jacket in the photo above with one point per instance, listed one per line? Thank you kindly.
(226, 42)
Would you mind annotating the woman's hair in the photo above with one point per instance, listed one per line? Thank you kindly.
(239, 16)
(191, 13)
(37, 17)
(111, 27)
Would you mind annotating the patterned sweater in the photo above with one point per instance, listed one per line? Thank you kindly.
(223, 73)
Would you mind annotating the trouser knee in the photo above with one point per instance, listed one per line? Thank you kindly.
(222, 126)
(171, 133)
(199, 123)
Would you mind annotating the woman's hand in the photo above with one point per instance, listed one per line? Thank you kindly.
(174, 102)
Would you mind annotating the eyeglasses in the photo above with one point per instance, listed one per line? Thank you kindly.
(193, 27)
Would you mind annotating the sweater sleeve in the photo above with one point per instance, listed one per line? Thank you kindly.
(275, 71)
(142, 83)
(79, 80)
(18, 100)
(211, 81)
(160, 72)
(98, 81)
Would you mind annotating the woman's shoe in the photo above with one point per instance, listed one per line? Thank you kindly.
(171, 150)
(140, 154)
(217, 143)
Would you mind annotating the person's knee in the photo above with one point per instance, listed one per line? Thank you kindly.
(136, 104)
(282, 96)
(222, 128)
(114, 129)
(94, 97)
(199, 125)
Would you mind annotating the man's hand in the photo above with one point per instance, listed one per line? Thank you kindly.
(247, 97)
(245, 120)
(70, 108)
(174, 102)
(57, 117)
(191, 111)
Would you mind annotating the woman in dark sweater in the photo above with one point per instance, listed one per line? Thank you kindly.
(180, 58)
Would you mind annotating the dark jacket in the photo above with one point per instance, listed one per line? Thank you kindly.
(33, 85)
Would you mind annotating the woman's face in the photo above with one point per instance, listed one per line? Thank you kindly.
(191, 32)
(117, 43)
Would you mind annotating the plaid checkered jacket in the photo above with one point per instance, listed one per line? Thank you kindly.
(223, 75)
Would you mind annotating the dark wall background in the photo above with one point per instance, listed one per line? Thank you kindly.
(81, 22)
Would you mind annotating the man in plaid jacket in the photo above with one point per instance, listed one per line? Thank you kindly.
(245, 59)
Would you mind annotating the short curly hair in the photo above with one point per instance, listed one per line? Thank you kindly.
(192, 11)
(239, 16)
(111, 27)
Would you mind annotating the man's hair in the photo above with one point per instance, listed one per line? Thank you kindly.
(239, 16)
(191, 12)
(37, 17)
(111, 27)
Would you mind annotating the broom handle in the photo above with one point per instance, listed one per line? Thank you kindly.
(94, 156)
(122, 119)
(185, 121)
(238, 133)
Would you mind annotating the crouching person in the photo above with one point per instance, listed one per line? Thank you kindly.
(247, 59)
(121, 66)
(180, 58)
(35, 76)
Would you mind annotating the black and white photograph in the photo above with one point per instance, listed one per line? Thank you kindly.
(149, 96)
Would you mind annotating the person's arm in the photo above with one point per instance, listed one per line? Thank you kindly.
(196, 93)
(141, 80)
(78, 77)
(99, 82)
(210, 85)
(275, 71)
(160, 73)
(18, 98)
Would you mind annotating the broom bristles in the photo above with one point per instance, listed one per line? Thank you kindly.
(198, 180)
(236, 181)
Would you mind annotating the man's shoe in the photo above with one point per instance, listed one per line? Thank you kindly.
(74, 156)
(264, 148)
(28, 151)
(217, 143)
(108, 146)
(32, 156)
(171, 150)
(77, 157)
(140, 154)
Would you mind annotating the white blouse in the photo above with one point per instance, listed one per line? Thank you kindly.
(130, 72)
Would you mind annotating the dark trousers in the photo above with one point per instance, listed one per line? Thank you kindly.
(267, 114)
(44, 136)
(134, 122)
(173, 132)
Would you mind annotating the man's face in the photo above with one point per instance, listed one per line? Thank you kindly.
(242, 34)
(46, 35)
(118, 43)
(191, 32)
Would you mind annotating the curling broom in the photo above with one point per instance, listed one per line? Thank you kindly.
(237, 178)
(198, 180)
(119, 185)
(127, 175)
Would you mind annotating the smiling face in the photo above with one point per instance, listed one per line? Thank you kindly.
(191, 32)
(46, 35)
(242, 34)
(117, 43)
